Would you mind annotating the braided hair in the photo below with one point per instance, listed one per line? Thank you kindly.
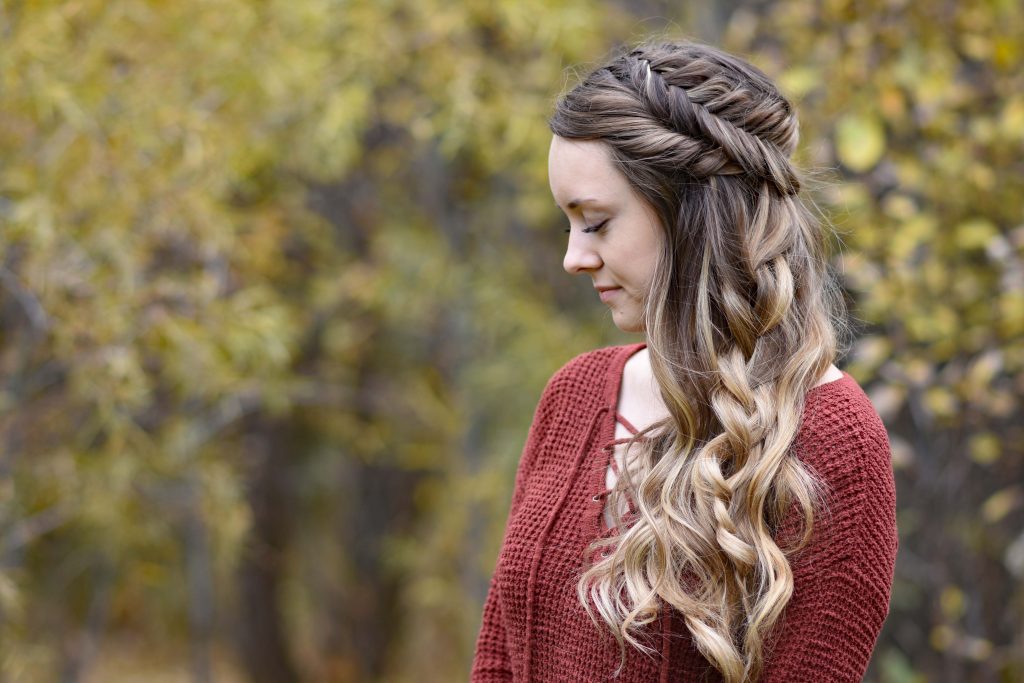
(742, 317)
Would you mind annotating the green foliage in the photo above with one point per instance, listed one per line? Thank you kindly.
(169, 285)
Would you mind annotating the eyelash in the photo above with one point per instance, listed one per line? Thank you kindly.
(590, 229)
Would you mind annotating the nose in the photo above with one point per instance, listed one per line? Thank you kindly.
(579, 256)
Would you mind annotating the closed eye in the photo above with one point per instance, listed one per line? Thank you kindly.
(594, 228)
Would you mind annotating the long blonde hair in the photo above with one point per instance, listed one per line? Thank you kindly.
(742, 318)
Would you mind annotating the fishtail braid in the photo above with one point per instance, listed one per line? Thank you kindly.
(716, 112)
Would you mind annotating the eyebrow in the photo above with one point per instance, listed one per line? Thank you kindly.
(577, 202)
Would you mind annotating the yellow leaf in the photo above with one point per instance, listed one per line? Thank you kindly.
(984, 448)
(892, 103)
(1012, 120)
(941, 637)
(917, 230)
(1006, 52)
(940, 401)
(1001, 503)
(983, 369)
(899, 206)
(1011, 320)
(952, 601)
(918, 371)
(860, 141)
(797, 81)
(975, 234)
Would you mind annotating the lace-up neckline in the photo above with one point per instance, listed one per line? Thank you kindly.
(596, 525)
(613, 464)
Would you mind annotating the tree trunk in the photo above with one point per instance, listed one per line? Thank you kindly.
(261, 640)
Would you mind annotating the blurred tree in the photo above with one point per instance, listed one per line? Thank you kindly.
(272, 279)
(918, 110)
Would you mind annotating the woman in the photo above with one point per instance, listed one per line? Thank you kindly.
(747, 532)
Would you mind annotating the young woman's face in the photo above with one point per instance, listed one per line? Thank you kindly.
(620, 255)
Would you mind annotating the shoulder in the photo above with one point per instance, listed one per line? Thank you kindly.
(580, 388)
(843, 439)
(588, 373)
(840, 428)
(571, 400)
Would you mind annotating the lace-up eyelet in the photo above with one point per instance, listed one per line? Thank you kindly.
(596, 497)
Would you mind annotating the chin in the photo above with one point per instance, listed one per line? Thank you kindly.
(632, 325)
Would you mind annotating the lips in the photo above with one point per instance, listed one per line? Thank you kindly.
(608, 293)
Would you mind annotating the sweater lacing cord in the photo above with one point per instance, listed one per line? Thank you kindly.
(538, 549)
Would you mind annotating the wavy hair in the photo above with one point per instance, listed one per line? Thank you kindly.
(742, 317)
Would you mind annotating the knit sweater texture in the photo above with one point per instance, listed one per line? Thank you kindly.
(534, 629)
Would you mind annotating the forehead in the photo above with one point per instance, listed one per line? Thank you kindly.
(583, 169)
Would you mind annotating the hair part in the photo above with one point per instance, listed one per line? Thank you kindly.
(742, 318)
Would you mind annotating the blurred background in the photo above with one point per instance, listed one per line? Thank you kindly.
(281, 283)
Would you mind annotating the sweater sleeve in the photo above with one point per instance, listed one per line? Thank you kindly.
(491, 661)
(843, 578)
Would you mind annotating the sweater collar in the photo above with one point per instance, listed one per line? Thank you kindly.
(613, 377)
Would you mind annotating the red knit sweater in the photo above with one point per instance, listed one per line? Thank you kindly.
(535, 630)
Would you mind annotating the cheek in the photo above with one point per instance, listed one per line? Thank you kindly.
(642, 262)
(653, 255)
